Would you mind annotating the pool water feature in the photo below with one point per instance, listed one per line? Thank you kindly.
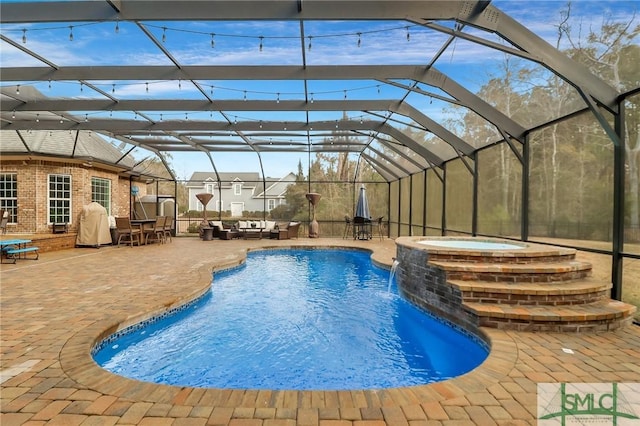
(304, 319)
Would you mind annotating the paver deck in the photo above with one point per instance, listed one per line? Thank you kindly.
(54, 309)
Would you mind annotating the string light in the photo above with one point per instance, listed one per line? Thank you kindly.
(245, 95)
(49, 84)
(359, 39)
(345, 95)
(336, 124)
(70, 32)
(24, 35)
(37, 118)
(18, 89)
(147, 86)
(160, 117)
(261, 124)
(117, 27)
(408, 33)
(186, 116)
(110, 113)
(180, 84)
(135, 116)
(378, 89)
(164, 34)
(310, 38)
(312, 98)
(86, 118)
(113, 88)
(261, 42)
(81, 85)
(13, 114)
(278, 98)
(213, 42)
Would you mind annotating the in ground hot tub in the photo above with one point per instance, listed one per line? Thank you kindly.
(467, 244)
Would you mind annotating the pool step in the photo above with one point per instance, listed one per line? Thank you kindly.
(534, 254)
(539, 272)
(602, 315)
(562, 293)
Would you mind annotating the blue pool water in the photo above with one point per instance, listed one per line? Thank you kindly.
(296, 319)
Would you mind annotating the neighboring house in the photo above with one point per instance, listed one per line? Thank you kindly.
(238, 192)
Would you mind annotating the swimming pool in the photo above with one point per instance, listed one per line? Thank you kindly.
(298, 319)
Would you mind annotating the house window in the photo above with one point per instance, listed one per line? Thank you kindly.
(271, 204)
(210, 187)
(59, 198)
(237, 189)
(9, 195)
(101, 192)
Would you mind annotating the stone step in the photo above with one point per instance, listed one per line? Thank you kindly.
(597, 316)
(561, 293)
(515, 273)
(504, 257)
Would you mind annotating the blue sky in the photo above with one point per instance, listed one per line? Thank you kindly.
(237, 43)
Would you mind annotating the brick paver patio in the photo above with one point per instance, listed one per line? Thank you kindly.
(55, 308)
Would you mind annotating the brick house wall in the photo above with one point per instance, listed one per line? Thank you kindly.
(32, 189)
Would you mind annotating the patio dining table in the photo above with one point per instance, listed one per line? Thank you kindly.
(142, 224)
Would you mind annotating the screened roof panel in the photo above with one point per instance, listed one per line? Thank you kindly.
(429, 75)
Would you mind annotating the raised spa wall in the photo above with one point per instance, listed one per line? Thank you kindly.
(426, 286)
(507, 285)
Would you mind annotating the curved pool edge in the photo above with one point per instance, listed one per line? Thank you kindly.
(77, 362)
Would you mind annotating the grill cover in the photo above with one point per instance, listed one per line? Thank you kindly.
(93, 226)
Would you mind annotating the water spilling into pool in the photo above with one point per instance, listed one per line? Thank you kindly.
(296, 319)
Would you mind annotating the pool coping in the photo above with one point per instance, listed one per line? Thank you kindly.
(76, 361)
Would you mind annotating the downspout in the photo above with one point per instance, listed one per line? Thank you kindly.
(443, 220)
(474, 208)
(215, 170)
(618, 203)
(410, 206)
(399, 207)
(264, 190)
(524, 225)
(424, 204)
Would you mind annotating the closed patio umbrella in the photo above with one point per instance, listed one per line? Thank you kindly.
(362, 207)
(362, 219)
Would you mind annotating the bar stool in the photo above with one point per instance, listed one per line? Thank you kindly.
(347, 227)
(381, 227)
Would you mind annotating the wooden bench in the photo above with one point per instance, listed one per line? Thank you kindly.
(14, 253)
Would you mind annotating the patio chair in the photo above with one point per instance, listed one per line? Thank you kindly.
(155, 231)
(347, 227)
(127, 232)
(168, 221)
(4, 219)
(381, 228)
(285, 231)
